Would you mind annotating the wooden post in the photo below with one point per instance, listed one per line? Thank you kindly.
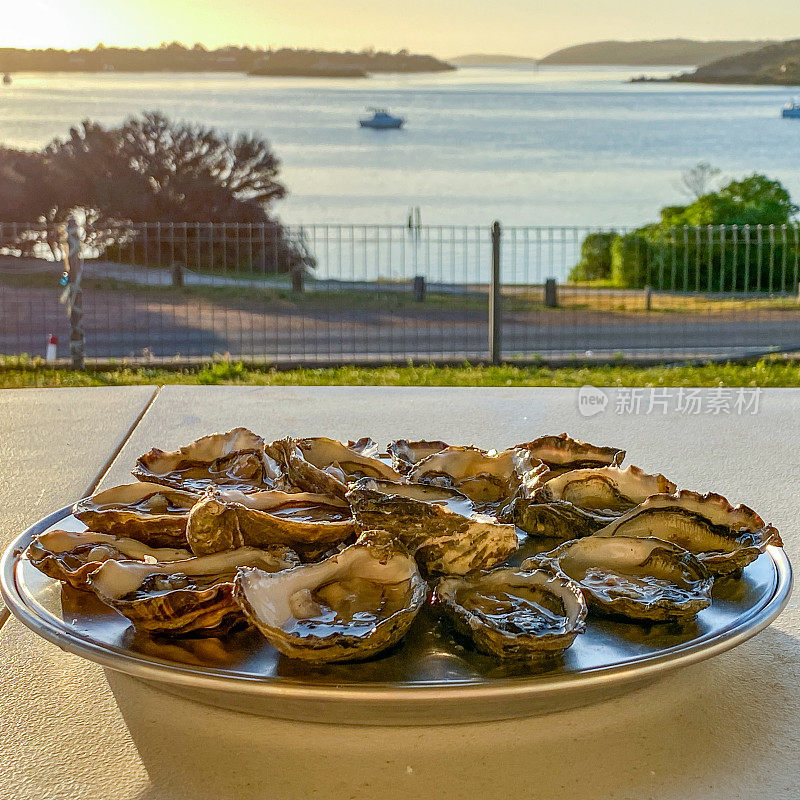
(419, 288)
(648, 296)
(550, 293)
(177, 273)
(495, 312)
(298, 275)
(72, 296)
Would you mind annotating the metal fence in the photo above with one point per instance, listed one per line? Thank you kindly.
(334, 294)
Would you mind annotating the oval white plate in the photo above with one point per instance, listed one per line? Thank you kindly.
(431, 678)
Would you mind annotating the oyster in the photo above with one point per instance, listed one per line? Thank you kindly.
(725, 538)
(327, 466)
(514, 613)
(223, 520)
(235, 459)
(563, 453)
(70, 556)
(150, 512)
(438, 526)
(638, 578)
(349, 607)
(405, 454)
(483, 477)
(181, 597)
(579, 502)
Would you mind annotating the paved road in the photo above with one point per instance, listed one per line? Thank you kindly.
(122, 325)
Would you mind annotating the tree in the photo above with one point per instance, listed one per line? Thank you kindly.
(150, 169)
(754, 200)
(699, 180)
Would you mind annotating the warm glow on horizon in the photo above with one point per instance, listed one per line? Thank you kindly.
(44, 23)
(442, 27)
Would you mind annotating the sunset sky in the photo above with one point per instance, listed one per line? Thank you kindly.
(442, 27)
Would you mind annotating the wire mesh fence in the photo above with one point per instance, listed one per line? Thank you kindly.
(335, 294)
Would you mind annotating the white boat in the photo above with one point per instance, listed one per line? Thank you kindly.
(791, 110)
(381, 120)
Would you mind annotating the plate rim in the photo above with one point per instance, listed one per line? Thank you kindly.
(163, 671)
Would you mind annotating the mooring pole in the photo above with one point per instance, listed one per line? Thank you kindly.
(495, 311)
(72, 296)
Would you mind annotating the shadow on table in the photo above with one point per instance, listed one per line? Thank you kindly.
(718, 729)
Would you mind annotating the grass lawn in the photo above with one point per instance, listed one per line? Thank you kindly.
(19, 372)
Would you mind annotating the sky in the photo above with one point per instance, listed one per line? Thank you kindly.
(441, 27)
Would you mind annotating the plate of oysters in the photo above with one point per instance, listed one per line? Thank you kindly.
(416, 583)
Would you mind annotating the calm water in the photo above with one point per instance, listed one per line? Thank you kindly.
(555, 146)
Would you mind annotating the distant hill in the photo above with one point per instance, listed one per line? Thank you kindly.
(176, 57)
(491, 60)
(777, 64)
(651, 53)
(344, 65)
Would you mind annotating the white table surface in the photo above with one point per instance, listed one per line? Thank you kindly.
(55, 446)
(728, 728)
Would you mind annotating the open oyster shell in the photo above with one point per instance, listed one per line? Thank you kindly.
(349, 607)
(485, 477)
(638, 578)
(194, 596)
(580, 502)
(405, 454)
(725, 538)
(70, 556)
(514, 613)
(235, 459)
(327, 466)
(224, 520)
(562, 453)
(438, 526)
(149, 512)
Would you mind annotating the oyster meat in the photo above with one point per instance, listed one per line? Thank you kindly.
(327, 466)
(405, 454)
(438, 526)
(563, 453)
(510, 612)
(149, 512)
(725, 538)
(483, 477)
(70, 556)
(638, 578)
(194, 596)
(225, 519)
(580, 502)
(349, 607)
(236, 460)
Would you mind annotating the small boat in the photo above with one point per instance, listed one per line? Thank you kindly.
(791, 110)
(6, 78)
(381, 120)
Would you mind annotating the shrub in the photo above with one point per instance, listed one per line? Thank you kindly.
(595, 263)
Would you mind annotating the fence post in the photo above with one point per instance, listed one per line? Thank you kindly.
(298, 275)
(648, 297)
(177, 273)
(495, 311)
(72, 239)
(550, 293)
(419, 288)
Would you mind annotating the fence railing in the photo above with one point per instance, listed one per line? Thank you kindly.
(330, 294)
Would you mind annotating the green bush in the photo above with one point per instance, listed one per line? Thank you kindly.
(595, 263)
(740, 238)
(708, 259)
